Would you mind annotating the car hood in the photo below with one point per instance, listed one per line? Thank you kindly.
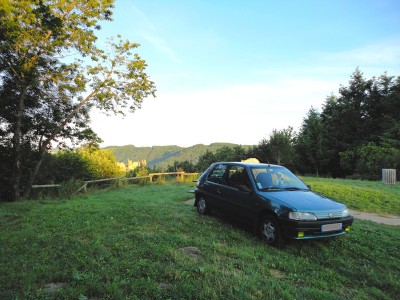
(306, 201)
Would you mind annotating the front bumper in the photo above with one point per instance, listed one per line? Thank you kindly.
(293, 229)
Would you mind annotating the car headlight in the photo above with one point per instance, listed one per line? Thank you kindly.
(345, 213)
(303, 216)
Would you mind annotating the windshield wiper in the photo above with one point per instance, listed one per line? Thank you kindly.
(293, 188)
(271, 188)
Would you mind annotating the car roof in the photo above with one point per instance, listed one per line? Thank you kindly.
(248, 164)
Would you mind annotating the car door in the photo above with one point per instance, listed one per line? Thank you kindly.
(213, 185)
(237, 194)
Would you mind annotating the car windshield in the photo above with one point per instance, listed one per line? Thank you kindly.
(273, 178)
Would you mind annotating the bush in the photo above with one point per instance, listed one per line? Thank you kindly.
(367, 161)
(142, 171)
(70, 187)
(160, 179)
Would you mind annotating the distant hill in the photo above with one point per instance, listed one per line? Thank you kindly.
(163, 156)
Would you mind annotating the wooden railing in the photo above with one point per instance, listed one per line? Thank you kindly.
(179, 175)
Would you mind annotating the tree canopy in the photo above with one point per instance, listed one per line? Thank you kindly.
(357, 132)
(45, 97)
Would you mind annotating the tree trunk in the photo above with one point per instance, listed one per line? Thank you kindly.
(44, 145)
(33, 175)
(16, 172)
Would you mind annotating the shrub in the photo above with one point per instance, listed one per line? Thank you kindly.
(70, 187)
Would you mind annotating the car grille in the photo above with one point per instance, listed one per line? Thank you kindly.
(328, 215)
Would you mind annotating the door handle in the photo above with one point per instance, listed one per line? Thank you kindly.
(218, 192)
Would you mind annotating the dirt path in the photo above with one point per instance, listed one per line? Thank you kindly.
(386, 220)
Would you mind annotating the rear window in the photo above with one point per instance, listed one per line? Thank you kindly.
(237, 176)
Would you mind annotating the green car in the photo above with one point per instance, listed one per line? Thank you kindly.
(271, 198)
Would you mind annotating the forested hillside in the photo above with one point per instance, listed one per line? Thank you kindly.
(162, 156)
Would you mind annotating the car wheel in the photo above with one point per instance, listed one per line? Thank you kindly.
(270, 232)
(202, 206)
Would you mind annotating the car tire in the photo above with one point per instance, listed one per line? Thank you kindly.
(270, 232)
(202, 206)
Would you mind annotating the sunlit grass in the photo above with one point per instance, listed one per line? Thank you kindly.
(369, 196)
(146, 243)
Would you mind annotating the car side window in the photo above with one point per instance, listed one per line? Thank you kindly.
(237, 175)
(217, 174)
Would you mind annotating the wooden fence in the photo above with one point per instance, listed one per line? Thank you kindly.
(179, 175)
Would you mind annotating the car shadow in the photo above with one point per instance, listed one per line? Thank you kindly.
(250, 230)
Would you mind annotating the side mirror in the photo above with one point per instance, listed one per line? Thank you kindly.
(309, 186)
(244, 188)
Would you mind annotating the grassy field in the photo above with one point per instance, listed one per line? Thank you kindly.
(146, 243)
(369, 196)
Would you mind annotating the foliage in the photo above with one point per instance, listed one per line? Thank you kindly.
(69, 188)
(145, 243)
(160, 179)
(277, 149)
(368, 160)
(356, 134)
(62, 166)
(205, 161)
(182, 166)
(142, 171)
(86, 163)
(235, 153)
(47, 97)
(225, 153)
(309, 143)
(366, 111)
(101, 163)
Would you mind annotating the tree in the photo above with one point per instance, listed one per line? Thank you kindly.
(50, 98)
(205, 161)
(186, 166)
(308, 146)
(278, 148)
(100, 163)
(368, 160)
(226, 153)
(365, 111)
(63, 166)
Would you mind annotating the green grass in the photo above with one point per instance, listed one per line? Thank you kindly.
(130, 244)
(368, 196)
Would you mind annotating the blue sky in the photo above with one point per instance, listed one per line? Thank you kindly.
(232, 71)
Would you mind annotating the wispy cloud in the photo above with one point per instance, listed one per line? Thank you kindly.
(142, 18)
(161, 45)
(148, 31)
(381, 53)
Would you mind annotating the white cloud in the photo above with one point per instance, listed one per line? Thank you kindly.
(372, 59)
(386, 52)
(238, 114)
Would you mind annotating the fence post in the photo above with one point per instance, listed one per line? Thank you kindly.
(389, 176)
